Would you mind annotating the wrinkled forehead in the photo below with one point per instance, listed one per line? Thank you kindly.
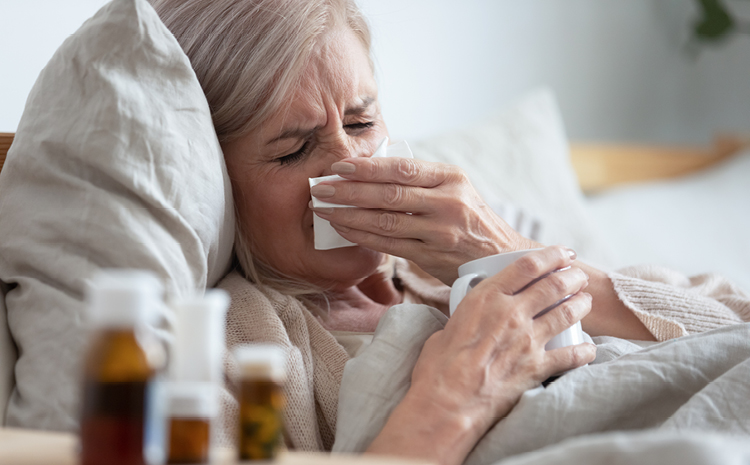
(338, 69)
(338, 75)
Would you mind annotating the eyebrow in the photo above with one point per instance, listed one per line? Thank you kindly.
(360, 109)
(299, 133)
(294, 133)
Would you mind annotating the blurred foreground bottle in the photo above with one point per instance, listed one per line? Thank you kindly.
(120, 422)
(195, 375)
(262, 400)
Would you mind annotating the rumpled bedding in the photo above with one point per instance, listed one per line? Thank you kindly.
(686, 400)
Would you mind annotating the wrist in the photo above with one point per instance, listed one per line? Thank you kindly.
(418, 428)
(609, 315)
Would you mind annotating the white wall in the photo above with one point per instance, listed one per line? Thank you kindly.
(30, 32)
(619, 67)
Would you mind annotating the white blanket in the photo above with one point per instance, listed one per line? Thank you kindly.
(674, 390)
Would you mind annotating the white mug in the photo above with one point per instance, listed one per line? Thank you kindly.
(472, 273)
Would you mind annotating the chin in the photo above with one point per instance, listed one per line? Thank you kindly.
(350, 265)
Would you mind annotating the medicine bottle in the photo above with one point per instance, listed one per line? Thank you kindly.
(118, 418)
(262, 400)
(195, 375)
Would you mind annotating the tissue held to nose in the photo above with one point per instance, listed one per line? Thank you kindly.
(326, 237)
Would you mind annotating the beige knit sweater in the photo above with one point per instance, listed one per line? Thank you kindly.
(668, 303)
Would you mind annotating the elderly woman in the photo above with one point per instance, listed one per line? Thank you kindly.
(291, 88)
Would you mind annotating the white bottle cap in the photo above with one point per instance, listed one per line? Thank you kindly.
(261, 361)
(192, 400)
(199, 339)
(123, 298)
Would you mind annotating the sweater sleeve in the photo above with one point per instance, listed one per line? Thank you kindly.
(673, 305)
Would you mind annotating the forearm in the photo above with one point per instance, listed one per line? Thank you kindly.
(609, 316)
(418, 430)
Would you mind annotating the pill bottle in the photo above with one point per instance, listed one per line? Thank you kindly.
(262, 374)
(191, 410)
(195, 376)
(119, 419)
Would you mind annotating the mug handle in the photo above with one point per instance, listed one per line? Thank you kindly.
(461, 287)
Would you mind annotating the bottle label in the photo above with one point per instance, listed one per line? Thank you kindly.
(155, 423)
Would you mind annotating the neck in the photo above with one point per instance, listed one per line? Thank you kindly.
(359, 308)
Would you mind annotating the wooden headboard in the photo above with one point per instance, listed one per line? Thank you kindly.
(600, 166)
(6, 139)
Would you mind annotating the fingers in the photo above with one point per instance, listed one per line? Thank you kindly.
(519, 274)
(406, 171)
(567, 358)
(564, 315)
(400, 247)
(393, 197)
(553, 289)
(379, 222)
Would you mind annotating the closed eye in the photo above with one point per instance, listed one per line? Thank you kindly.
(296, 156)
(358, 126)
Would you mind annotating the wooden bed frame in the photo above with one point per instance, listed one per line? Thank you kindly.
(600, 166)
(5, 140)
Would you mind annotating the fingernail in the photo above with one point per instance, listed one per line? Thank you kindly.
(323, 211)
(342, 167)
(572, 254)
(323, 190)
(338, 227)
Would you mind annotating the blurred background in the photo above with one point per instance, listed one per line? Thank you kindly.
(623, 70)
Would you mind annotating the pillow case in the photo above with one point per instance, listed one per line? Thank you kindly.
(115, 164)
(521, 157)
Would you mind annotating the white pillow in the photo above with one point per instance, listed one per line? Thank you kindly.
(522, 157)
(115, 164)
(696, 224)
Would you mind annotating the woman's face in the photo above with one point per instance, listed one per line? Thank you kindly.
(334, 114)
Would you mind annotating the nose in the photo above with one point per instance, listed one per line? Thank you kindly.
(344, 146)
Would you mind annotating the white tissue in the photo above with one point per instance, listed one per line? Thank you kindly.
(326, 237)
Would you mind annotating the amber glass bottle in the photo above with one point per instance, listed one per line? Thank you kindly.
(196, 372)
(191, 409)
(189, 440)
(117, 423)
(262, 400)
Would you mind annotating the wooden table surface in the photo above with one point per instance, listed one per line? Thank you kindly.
(30, 447)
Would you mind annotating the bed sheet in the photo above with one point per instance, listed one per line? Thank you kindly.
(688, 385)
(697, 224)
(641, 448)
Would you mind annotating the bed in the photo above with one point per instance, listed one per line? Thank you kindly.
(142, 187)
(615, 178)
(627, 187)
(601, 171)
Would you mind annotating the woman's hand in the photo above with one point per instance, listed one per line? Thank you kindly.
(472, 373)
(426, 212)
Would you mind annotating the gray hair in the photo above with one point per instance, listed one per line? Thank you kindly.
(249, 56)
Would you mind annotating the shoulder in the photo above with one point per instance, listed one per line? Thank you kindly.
(245, 293)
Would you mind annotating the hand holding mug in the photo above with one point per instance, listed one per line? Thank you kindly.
(472, 273)
(493, 348)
